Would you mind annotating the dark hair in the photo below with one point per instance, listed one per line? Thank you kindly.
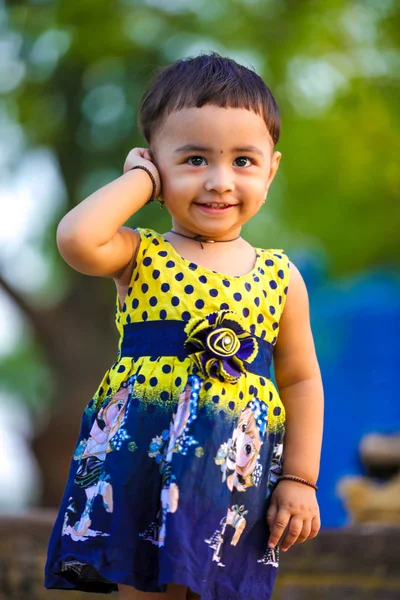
(206, 79)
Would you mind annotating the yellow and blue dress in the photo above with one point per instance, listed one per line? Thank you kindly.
(181, 445)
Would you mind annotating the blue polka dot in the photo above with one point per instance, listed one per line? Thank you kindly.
(141, 379)
(231, 405)
(272, 310)
(185, 315)
(203, 279)
(175, 300)
(281, 274)
(257, 301)
(192, 266)
(213, 292)
(273, 285)
(121, 369)
(247, 286)
(179, 276)
(162, 253)
(274, 340)
(260, 318)
(145, 287)
(207, 386)
(153, 301)
(135, 303)
(153, 381)
(170, 264)
(166, 369)
(245, 312)
(189, 289)
(269, 263)
(278, 255)
(263, 334)
(256, 278)
(241, 395)
(136, 277)
(277, 411)
(280, 299)
(215, 399)
(262, 381)
(128, 319)
(129, 292)
(226, 283)
(285, 290)
(224, 306)
(223, 391)
(275, 325)
(221, 414)
(271, 395)
(264, 293)
(164, 396)
(260, 270)
(124, 308)
(156, 274)
(199, 303)
(145, 316)
(252, 329)
(237, 296)
(178, 381)
(165, 287)
(147, 261)
(155, 242)
(251, 389)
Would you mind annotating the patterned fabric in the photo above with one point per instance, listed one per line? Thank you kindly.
(181, 445)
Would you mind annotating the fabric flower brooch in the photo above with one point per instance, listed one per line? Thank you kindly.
(221, 345)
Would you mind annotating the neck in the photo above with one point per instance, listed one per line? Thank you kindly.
(203, 239)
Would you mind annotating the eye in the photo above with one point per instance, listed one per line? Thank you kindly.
(196, 161)
(248, 449)
(244, 158)
(243, 426)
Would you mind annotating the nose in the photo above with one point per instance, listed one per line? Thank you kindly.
(220, 180)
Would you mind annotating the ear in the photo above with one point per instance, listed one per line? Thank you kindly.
(275, 160)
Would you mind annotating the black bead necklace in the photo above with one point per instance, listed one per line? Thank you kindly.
(200, 239)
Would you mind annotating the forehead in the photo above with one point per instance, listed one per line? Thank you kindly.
(213, 125)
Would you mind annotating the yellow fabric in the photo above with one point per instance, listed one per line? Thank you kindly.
(166, 286)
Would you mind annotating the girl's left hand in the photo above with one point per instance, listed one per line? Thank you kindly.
(293, 508)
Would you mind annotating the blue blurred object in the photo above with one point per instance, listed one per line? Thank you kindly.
(356, 327)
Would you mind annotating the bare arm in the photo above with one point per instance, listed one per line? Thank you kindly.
(91, 237)
(300, 386)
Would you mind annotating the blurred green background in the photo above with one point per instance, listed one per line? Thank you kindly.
(71, 77)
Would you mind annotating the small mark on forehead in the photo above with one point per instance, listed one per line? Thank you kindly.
(222, 151)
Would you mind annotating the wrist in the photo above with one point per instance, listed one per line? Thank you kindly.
(296, 479)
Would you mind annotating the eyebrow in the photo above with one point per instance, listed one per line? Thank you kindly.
(195, 148)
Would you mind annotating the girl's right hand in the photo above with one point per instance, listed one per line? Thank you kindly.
(142, 156)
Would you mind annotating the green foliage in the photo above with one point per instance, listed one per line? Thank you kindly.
(333, 67)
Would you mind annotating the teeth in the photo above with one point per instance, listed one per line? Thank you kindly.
(216, 205)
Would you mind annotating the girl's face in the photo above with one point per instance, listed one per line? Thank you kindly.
(216, 165)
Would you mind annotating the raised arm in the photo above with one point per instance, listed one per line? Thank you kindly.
(300, 388)
(91, 237)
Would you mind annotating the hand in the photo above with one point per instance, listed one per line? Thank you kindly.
(142, 156)
(293, 508)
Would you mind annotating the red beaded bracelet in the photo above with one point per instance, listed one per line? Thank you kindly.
(153, 181)
(299, 479)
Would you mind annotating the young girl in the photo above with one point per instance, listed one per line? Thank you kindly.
(182, 484)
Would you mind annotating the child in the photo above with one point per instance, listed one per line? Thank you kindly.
(181, 485)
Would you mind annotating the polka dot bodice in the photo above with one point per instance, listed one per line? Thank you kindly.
(165, 286)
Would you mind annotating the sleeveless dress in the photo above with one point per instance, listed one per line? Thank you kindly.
(181, 445)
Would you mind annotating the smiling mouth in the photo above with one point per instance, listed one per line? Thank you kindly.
(217, 205)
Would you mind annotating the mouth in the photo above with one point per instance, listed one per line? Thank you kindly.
(214, 206)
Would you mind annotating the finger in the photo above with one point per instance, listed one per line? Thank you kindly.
(293, 532)
(271, 514)
(315, 527)
(305, 532)
(278, 527)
